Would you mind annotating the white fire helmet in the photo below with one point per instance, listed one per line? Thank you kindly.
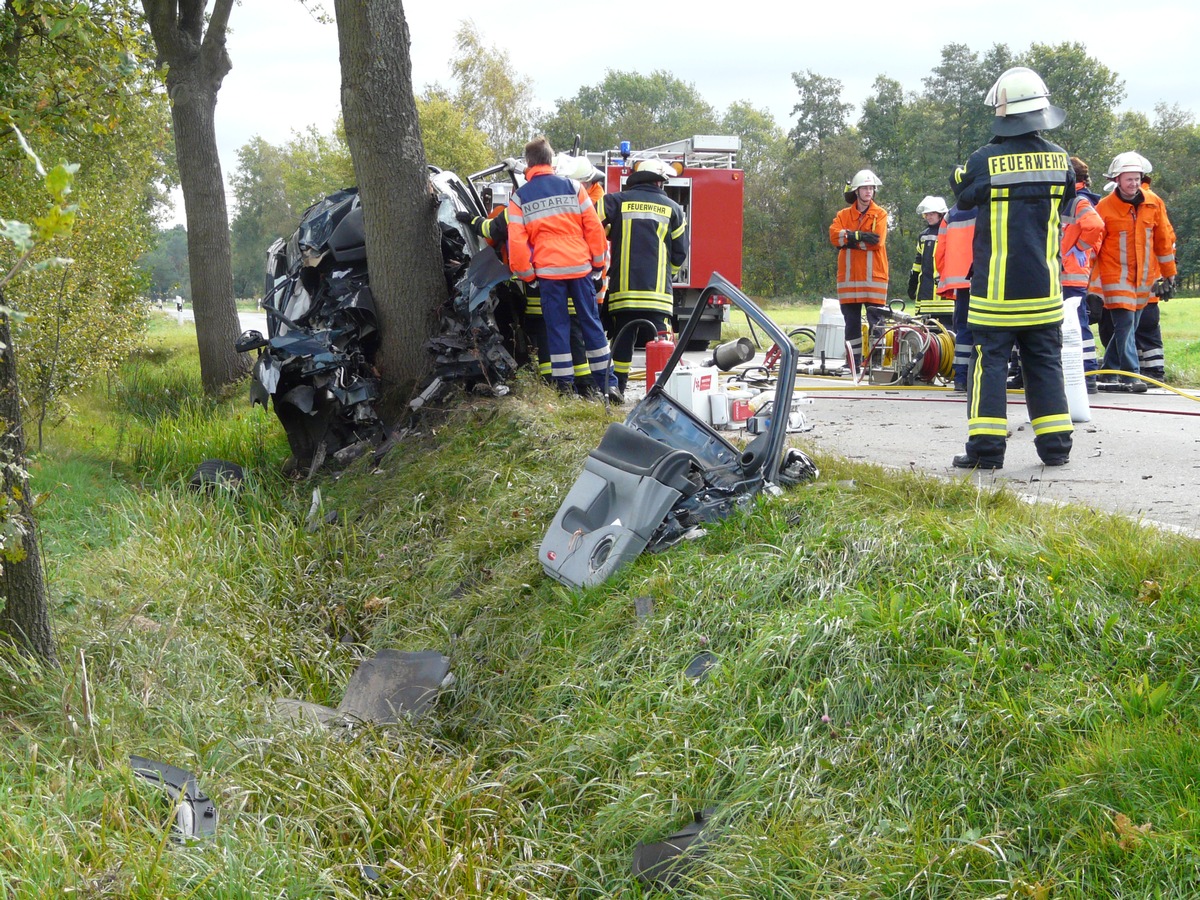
(1129, 161)
(664, 170)
(579, 168)
(1022, 103)
(862, 178)
(932, 204)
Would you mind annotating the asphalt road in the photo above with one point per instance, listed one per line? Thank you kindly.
(1138, 456)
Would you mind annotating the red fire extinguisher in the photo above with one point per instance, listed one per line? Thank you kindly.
(658, 352)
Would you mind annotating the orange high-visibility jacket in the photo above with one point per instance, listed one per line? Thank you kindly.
(1139, 244)
(1083, 232)
(955, 252)
(553, 229)
(862, 275)
(1156, 269)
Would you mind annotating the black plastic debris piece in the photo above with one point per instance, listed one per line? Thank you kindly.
(391, 685)
(472, 347)
(697, 670)
(213, 474)
(661, 865)
(196, 816)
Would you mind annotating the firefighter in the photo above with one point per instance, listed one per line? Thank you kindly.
(859, 232)
(493, 228)
(953, 256)
(923, 280)
(1082, 234)
(1139, 244)
(1018, 182)
(649, 236)
(1148, 336)
(555, 237)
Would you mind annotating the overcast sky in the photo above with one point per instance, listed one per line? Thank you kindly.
(285, 73)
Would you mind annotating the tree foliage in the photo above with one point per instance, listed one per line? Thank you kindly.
(646, 110)
(165, 264)
(80, 86)
(491, 99)
(272, 186)
(912, 138)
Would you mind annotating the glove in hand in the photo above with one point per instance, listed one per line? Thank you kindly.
(464, 217)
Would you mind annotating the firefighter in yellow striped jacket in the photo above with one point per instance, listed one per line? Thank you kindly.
(649, 236)
(1019, 183)
(923, 280)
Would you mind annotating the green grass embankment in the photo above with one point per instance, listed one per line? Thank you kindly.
(922, 690)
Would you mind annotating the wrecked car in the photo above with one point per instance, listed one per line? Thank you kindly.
(316, 362)
(656, 478)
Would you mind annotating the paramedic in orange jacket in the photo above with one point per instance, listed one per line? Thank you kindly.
(860, 233)
(1136, 240)
(1148, 336)
(555, 237)
(954, 256)
(1082, 235)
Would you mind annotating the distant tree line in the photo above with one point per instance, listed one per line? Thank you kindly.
(912, 139)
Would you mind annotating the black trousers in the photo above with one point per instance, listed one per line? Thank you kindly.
(624, 339)
(1045, 394)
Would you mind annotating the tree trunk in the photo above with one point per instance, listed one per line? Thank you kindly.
(197, 64)
(399, 212)
(25, 617)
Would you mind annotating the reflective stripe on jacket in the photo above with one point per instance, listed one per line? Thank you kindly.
(1139, 244)
(1156, 269)
(553, 229)
(1019, 184)
(929, 301)
(1083, 230)
(953, 254)
(649, 236)
(862, 271)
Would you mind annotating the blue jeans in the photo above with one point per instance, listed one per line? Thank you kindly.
(1121, 352)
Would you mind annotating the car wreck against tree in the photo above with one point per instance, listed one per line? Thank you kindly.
(316, 363)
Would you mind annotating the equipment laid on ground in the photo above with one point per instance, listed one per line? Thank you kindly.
(1074, 379)
(709, 187)
(903, 349)
(658, 351)
(830, 337)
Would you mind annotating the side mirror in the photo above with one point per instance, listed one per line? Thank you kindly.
(249, 340)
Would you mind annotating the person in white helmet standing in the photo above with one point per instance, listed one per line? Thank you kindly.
(648, 232)
(923, 279)
(859, 232)
(1019, 183)
(1139, 244)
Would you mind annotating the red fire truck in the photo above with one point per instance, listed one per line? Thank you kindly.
(709, 187)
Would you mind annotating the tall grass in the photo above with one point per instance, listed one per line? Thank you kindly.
(921, 691)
